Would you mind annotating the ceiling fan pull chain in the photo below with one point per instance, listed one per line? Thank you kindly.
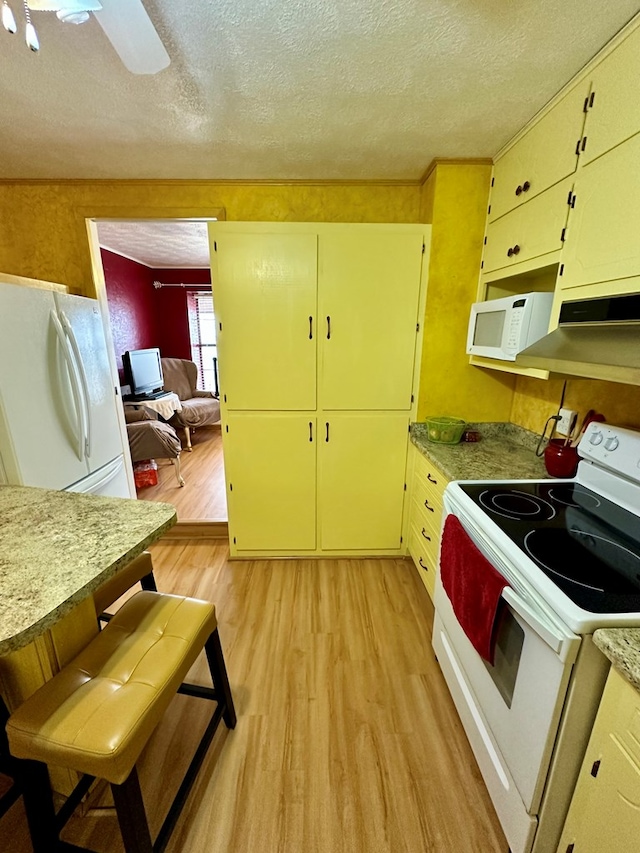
(30, 33)
(8, 19)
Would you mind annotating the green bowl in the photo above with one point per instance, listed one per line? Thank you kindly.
(444, 430)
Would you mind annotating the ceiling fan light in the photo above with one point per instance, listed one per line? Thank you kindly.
(31, 37)
(8, 19)
(69, 16)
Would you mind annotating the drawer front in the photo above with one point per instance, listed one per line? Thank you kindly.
(427, 472)
(428, 500)
(425, 558)
(530, 231)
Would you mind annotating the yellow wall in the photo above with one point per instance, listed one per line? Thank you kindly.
(456, 197)
(42, 224)
(535, 399)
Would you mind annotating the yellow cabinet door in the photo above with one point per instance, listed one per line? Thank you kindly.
(543, 156)
(532, 230)
(270, 463)
(602, 234)
(362, 459)
(368, 292)
(264, 291)
(613, 113)
(609, 805)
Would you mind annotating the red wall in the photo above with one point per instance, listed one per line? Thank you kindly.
(131, 298)
(143, 316)
(171, 306)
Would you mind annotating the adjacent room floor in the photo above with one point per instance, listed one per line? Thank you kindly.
(347, 739)
(203, 497)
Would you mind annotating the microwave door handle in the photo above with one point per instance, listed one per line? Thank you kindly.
(75, 387)
(83, 378)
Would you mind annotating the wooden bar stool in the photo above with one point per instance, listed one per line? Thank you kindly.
(97, 714)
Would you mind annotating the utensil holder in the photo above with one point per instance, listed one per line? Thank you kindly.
(560, 458)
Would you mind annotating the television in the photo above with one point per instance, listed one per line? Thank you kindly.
(143, 371)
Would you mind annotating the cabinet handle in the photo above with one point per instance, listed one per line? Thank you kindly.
(518, 190)
(428, 538)
(310, 430)
(431, 479)
(509, 252)
(526, 187)
(310, 328)
(327, 426)
(426, 568)
(430, 508)
(328, 328)
(516, 249)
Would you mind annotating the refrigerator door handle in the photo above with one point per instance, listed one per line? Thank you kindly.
(83, 378)
(75, 386)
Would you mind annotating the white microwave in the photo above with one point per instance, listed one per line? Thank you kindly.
(501, 328)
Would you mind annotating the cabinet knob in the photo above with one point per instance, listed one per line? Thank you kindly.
(518, 190)
(516, 249)
(526, 187)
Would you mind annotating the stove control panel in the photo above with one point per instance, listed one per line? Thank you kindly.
(612, 447)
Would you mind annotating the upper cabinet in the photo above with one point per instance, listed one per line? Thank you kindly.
(602, 243)
(546, 154)
(266, 316)
(613, 105)
(368, 289)
(323, 319)
(564, 211)
(531, 231)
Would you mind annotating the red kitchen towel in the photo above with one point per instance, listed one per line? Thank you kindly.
(473, 587)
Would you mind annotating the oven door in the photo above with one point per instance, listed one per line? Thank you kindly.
(520, 698)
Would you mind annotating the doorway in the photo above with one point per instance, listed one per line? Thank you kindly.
(156, 292)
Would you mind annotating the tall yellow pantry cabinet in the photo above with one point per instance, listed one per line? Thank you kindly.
(318, 327)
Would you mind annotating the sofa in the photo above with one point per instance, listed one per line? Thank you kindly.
(199, 408)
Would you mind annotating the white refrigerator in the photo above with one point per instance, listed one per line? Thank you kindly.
(59, 424)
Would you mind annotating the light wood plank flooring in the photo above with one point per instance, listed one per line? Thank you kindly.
(347, 740)
(204, 496)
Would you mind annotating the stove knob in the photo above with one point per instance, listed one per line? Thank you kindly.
(611, 443)
(596, 437)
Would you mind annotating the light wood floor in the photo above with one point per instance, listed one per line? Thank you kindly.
(347, 740)
(204, 497)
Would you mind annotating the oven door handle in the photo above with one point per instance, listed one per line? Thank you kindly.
(533, 619)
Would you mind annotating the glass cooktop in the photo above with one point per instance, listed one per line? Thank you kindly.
(587, 545)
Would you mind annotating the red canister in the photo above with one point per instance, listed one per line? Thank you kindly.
(560, 459)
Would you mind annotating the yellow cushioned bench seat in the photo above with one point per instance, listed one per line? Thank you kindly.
(97, 714)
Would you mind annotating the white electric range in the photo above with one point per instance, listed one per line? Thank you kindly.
(570, 552)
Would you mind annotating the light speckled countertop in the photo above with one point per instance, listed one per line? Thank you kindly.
(504, 452)
(622, 647)
(57, 547)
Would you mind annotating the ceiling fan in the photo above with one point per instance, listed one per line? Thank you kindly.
(125, 23)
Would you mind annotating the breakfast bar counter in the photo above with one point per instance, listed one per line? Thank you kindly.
(57, 547)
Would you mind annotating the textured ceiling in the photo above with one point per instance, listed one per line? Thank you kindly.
(278, 89)
(158, 243)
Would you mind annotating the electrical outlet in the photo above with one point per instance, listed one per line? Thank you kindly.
(567, 417)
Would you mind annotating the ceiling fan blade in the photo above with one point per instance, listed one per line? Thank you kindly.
(70, 5)
(133, 36)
